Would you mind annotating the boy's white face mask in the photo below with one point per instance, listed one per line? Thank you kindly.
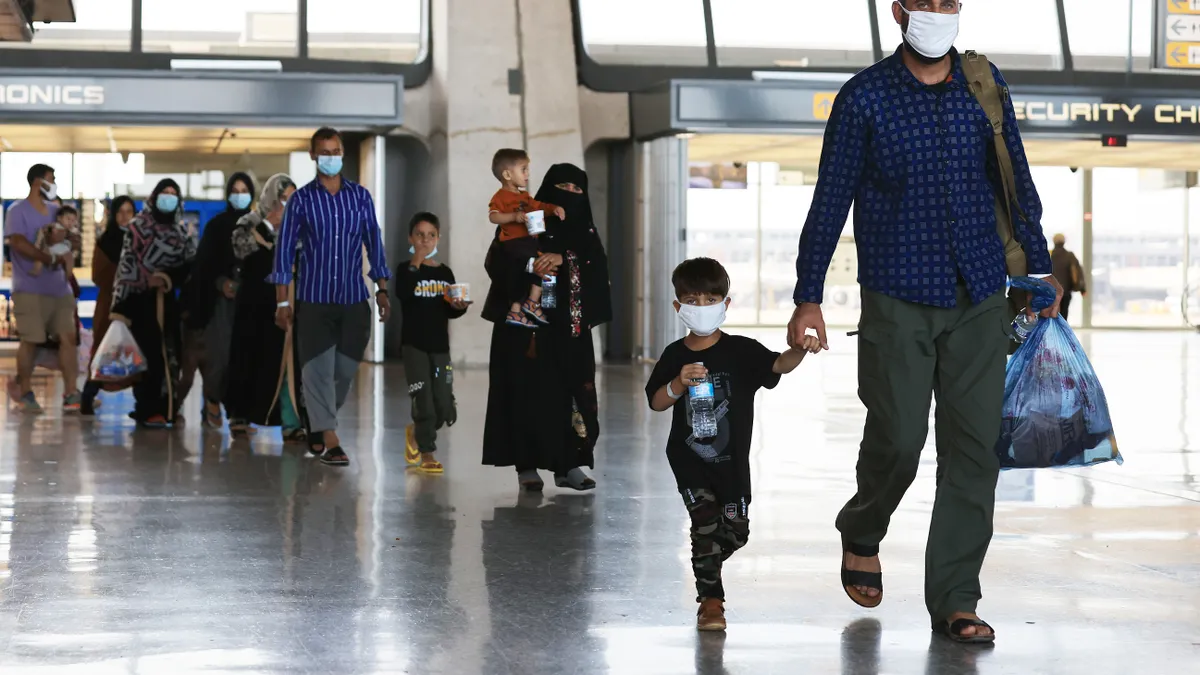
(703, 321)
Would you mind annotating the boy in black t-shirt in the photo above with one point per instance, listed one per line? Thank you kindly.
(713, 474)
(426, 304)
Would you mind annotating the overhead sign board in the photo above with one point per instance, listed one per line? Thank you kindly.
(258, 99)
(1177, 34)
(683, 106)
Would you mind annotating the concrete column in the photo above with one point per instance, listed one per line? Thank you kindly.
(662, 228)
(473, 113)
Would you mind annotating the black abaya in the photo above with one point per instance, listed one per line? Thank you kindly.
(538, 379)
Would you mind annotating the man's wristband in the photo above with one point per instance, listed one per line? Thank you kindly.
(283, 304)
(673, 395)
(380, 290)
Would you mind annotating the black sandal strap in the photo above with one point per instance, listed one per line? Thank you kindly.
(860, 550)
(860, 578)
(958, 625)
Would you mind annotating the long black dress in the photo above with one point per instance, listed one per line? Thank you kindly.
(538, 379)
(264, 373)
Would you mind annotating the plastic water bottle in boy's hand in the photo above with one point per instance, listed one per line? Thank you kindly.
(702, 401)
(1055, 412)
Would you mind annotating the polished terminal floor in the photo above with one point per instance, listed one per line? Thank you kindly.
(138, 552)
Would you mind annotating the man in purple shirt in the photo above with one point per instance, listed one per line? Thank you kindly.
(43, 303)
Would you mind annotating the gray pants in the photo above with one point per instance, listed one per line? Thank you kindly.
(431, 386)
(217, 336)
(331, 340)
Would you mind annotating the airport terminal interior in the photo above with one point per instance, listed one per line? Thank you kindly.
(701, 125)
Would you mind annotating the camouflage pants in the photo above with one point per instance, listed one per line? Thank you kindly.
(717, 531)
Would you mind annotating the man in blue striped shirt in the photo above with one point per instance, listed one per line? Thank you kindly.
(908, 144)
(331, 219)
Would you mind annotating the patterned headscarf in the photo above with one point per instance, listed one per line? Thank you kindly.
(244, 241)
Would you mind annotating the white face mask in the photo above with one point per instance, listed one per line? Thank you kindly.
(703, 321)
(930, 34)
(49, 191)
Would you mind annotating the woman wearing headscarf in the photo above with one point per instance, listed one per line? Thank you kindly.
(554, 367)
(264, 376)
(104, 271)
(156, 257)
(210, 298)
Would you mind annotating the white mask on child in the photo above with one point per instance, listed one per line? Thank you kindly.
(703, 321)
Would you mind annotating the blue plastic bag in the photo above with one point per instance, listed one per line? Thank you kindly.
(1055, 413)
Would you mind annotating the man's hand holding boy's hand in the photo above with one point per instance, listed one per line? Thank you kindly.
(810, 344)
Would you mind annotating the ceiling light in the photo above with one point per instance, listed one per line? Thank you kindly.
(246, 65)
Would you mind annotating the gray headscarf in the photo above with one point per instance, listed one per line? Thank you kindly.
(245, 243)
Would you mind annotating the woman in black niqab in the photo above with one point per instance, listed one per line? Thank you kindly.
(543, 412)
(209, 305)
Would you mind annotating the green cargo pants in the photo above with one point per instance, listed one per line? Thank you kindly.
(907, 354)
(431, 386)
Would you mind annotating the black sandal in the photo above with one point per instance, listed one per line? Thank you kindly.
(852, 578)
(335, 456)
(953, 630)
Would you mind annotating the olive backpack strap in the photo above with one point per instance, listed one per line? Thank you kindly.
(982, 84)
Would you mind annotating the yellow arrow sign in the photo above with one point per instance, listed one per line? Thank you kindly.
(1183, 55)
(1183, 7)
(823, 104)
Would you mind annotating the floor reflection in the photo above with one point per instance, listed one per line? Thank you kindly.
(125, 551)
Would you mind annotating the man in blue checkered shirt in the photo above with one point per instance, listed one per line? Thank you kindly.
(908, 145)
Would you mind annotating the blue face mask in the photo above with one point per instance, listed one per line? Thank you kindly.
(166, 203)
(240, 200)
(330, 165)
(413, 249)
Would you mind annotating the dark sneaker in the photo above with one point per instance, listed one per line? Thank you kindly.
(73, 402)
(29, 403)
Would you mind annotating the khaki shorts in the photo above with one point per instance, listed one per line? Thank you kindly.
(39, 316)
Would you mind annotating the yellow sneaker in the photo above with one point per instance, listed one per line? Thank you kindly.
(412, 454)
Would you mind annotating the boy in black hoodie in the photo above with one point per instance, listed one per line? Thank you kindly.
(424, 289)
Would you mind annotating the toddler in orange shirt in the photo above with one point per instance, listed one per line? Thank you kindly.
(508, 209)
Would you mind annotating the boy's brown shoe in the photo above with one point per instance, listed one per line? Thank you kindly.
(711, 616)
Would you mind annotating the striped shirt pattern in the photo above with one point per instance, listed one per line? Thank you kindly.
(331, 230)
(914, 161)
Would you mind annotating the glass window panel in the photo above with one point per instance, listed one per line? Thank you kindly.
(99, 26)
(1061, 192)
(1193, 279)
(1137, 247)
(14, 167)
(722, 223)
(393, 32)
(226, 27)
(1099, 33)
(792, 33)
(1017, 34)
(661, 32)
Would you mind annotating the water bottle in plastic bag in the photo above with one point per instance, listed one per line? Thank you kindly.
(1055, 413)
(118, 356)
(702, 401)
(549, 292)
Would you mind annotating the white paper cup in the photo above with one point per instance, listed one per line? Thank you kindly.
(535, 222)
(460, 292)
